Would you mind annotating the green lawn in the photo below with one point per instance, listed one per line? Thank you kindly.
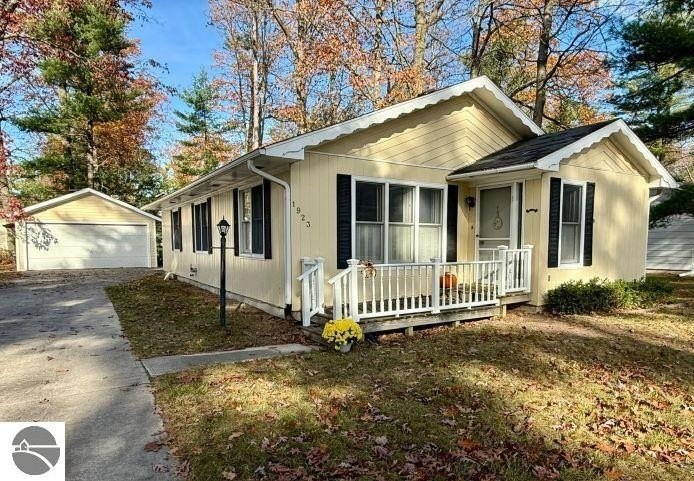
(170, 317)
(527, 397)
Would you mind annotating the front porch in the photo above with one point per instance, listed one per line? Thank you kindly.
(384, 297)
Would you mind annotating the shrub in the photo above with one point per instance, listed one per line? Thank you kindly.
(600, 295)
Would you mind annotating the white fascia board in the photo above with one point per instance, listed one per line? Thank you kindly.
(81, 193)
(552, 161)
(294, 148)
(499, 170)
(156, 204)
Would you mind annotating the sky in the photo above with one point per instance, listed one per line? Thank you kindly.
(177, 36)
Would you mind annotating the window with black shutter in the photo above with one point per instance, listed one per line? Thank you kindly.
(251, 215)
(176, 237)
(201, 222)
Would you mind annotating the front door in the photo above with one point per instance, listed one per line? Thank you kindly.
(498, 219)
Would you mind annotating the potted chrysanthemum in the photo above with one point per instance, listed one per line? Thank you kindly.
(342, 334)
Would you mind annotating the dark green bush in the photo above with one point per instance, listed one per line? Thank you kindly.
(599, 295)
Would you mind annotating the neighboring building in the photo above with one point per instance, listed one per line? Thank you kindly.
(4, 238)
(85, 229)
(452, 174)
(671, 247)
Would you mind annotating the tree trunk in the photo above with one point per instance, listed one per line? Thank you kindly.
(420, 38)
(91, 155)
(542, 57)
(375, 94)
(475, 54)
(254, 124)
(4, 177)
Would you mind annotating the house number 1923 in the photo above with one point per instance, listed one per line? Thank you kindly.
(301, 215)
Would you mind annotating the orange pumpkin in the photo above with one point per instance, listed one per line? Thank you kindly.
(448, 280)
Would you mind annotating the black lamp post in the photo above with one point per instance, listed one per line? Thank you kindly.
(223, 228)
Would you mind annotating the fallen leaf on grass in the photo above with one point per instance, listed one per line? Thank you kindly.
(229, 474)
(605, 448)
(613, 473)
(235, 435)
(468, 444)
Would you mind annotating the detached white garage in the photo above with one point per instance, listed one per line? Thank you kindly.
(83, 230)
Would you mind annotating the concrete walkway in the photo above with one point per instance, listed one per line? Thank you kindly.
(63, 358)
(157, 366)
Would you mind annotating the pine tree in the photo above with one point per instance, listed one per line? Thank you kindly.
(90, 72)
(204, 146)
(656, 74)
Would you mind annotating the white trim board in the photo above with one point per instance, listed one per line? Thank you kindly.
(650, 163)
(551, 162)
(82, 193)
(489, 94)
(291, 150)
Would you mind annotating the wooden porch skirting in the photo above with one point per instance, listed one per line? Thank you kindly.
(418, 320)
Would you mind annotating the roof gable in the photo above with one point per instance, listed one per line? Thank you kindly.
(547, 151)
(481, 88)
(36, 208)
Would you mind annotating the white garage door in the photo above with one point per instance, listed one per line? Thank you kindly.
(83, 246)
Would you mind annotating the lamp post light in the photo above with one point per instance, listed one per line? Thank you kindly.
(223, 228)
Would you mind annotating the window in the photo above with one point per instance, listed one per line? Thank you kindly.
(406, 228)
(400, 223)
(251, 235)
(202, 232)
(369, 221)
(430, 223)
(176, 237)
(572, 220)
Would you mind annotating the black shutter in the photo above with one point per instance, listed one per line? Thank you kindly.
(179, 230)
(267, 216)
(554, 219)
(235, 217)
(173, 231)
(344, 220)
(588, 231)
(192, 222)
(209, 225)
(451, 225)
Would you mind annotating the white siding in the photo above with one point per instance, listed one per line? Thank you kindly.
(672, 247)
(253, 279)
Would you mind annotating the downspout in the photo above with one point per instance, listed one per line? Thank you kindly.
(287, 234)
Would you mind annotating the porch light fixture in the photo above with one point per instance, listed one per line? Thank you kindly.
(223, 227)
(470, 201)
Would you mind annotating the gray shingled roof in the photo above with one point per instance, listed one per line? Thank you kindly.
(530, 150)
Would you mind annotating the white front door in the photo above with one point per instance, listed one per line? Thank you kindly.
(498, 218)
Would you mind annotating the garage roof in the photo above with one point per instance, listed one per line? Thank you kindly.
(82, 193)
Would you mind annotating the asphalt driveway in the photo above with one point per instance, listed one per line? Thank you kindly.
(63, 358)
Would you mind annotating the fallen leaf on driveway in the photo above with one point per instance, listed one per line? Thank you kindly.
(153, 446)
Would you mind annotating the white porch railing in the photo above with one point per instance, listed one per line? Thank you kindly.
(312, 288)
(384, 290)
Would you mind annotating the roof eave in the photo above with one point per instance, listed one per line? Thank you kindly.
(156, 204)
(551, 161)
(81, 193)
(499, 170)
(294, 148)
